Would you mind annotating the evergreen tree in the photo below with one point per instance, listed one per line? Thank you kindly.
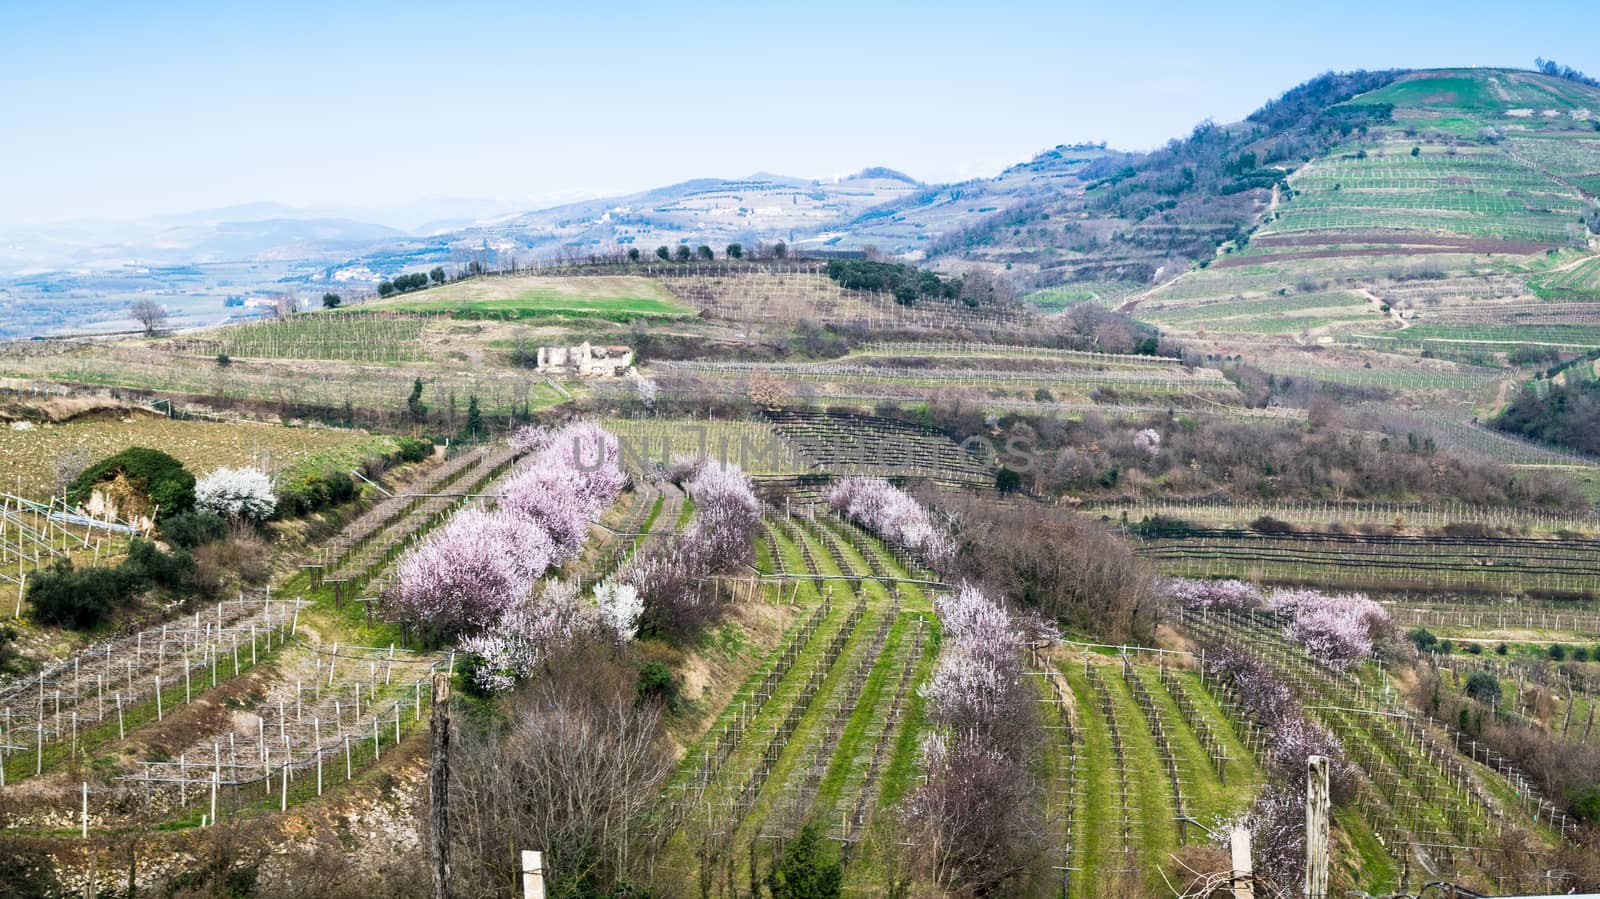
(803, 872)
(474, 418)
(419, 412)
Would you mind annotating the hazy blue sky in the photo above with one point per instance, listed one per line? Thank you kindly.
(124, 109)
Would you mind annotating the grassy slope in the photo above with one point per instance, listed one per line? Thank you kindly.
(534, 296)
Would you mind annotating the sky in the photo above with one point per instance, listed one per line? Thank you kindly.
(125, 110)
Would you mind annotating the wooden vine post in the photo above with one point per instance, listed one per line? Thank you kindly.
(439, 785)
(1317, 827)
(1243, 871)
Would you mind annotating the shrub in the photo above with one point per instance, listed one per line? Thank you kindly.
(1266, 524)
(1502, 649)
(1585, 805)
(242, 555)
(237, 494)
(1484, 687)
(26, 873)
(1422, 638)
(1557, 652)
(656, 684)
(147, 565)
(159, 476)
(80, 598)
(313, 492)
(192, 529)
(8, 647)
(76, 598)
(413, 450)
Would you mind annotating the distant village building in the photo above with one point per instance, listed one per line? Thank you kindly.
(586, 360)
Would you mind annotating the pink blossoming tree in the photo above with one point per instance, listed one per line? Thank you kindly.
(894, 515)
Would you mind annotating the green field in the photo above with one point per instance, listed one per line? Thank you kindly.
(1107, 293)
(1581, 282)
(617, 297)
(1461, 101)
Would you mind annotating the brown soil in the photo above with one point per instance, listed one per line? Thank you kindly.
(1478, 246)
(1399, 238)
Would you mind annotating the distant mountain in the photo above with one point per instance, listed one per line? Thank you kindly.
(1072, 213)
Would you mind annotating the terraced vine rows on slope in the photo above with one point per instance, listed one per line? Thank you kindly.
(360, 560)
(1144, 758)
(878, 447)
(1430, 807)
(1376, 562)
(818, 731)
(272, 714)
(100, 693)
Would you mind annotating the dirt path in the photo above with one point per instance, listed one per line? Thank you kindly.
(1377, 302)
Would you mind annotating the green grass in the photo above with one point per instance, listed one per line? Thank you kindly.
(1579, 283)
(1096, 847)
(615, 298)
(1055, 299)
(1462, 101)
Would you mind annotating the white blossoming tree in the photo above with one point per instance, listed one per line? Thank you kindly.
(237, 494)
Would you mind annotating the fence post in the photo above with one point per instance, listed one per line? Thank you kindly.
(1243, 872)
(439, 785)
(1316, 886)
(532, 874)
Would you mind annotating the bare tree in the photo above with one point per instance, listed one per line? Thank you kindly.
(572, 770)
(149, 314)
(285, 305)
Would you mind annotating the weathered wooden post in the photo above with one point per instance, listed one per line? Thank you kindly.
(1243, 871)
(532, 874)
(439, 785)
(1317, 799)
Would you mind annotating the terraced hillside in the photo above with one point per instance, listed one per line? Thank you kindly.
(1476, 180)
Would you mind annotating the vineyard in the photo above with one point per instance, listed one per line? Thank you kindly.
(862, 444)
(867, 381)
(824, 728)
(1430, 809)
(803, 291)
(1473, 192)
(1486, 565)
(266, 704)
(352, 337)
(1274, 315)
(291, 384)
